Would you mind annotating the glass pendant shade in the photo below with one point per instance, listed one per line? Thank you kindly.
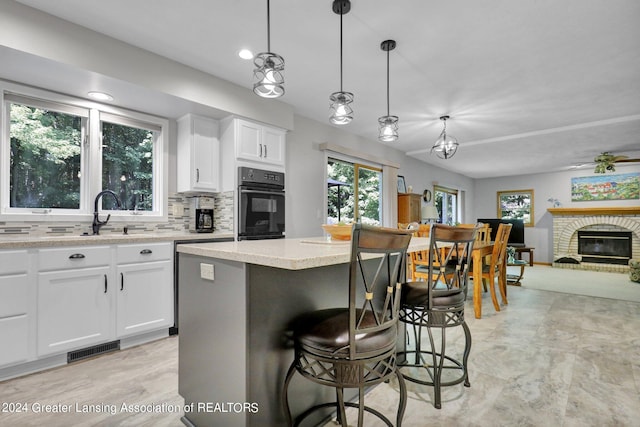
(446, 145)
(342, 113)
(388, 128)
(340, 105)
(269, 75)
(388, 125)
(269, 72)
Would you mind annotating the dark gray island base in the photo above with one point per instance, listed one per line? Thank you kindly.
(233, 351)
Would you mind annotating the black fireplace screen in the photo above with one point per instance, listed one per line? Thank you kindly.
(609, 247)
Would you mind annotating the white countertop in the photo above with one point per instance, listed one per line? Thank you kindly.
(290, 254)
(21, 241)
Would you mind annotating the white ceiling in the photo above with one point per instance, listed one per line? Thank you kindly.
(531, 85)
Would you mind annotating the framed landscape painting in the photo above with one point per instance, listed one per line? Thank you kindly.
(624, 186)
(516, 204)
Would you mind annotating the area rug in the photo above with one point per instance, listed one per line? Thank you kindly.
(581, 282)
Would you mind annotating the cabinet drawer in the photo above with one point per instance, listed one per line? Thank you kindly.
(73, 257)
(144, 252)
(12, 262)
(13, 295)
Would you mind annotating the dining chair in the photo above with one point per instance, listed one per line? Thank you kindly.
(418, 260)
(355, 346)
(438, 302)
(496, 266)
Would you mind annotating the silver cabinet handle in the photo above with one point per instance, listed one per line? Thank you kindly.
(76, 256)
(146, 252)
(105, 283)
(197, 175)
(121, 281)
(265, 151)
(260, 150)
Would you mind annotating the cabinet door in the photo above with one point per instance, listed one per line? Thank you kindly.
(205, 155)
(273, 146)
(198, 154)
(145, 297)
(249, 141)
(74, 309)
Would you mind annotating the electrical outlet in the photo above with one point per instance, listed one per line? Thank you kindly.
(206, 271)
(178, 210)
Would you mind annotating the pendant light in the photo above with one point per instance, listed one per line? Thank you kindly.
(446, 145)
(388, 124)
(269, 71)
(342, 112)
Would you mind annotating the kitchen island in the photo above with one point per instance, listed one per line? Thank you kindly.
(236, 302)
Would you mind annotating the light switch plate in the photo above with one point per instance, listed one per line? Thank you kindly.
(206, 271)
(178, 210)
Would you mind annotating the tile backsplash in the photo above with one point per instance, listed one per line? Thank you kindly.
(223, 220)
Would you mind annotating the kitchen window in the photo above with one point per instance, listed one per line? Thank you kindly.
(56, 155)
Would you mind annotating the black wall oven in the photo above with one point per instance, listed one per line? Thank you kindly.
(260, 204)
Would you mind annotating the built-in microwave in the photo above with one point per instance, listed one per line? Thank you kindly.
(260, 204)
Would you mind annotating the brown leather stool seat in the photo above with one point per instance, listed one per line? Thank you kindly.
(327, 332)
(417, 294)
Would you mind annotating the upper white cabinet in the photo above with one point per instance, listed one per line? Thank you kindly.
(259, 143)
(198, 154)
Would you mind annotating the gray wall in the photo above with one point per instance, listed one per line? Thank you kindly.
(550, 185)
(306, 173)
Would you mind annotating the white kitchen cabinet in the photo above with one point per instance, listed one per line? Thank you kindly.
(198, 154)
(259, 143)
(145, 288)
(14, 307)
(75, 298)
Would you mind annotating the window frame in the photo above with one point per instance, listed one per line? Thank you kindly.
(91, 156)
(454, 192)
(357, 163)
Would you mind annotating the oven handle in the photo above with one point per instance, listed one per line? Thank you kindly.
(272, 192)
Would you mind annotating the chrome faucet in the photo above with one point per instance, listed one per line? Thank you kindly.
(96, 221)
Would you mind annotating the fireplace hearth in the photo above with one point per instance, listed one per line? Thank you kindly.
(606, 247)
(567, 222)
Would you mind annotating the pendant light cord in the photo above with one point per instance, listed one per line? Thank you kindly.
(388, 82)
(268, 26)
(341, 14)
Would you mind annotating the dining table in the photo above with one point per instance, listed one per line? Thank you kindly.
(480, 251)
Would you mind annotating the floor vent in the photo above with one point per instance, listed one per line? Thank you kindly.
(74, 356)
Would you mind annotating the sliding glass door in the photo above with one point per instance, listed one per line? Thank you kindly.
(354, 192)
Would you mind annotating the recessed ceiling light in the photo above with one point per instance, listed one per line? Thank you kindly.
(100, 96)
(245, 54)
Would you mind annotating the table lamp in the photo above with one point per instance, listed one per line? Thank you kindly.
(429, 214)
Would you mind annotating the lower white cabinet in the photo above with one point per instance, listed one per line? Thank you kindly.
(145, 288)
(14, 307)
(74, 309)
(96, 294)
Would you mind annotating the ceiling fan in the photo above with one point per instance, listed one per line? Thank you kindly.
(605, 162)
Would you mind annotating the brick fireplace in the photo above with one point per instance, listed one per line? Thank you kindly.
(567, 222)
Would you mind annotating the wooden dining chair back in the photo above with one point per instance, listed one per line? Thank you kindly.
(496, 266)
(418, 260)
(355, 346)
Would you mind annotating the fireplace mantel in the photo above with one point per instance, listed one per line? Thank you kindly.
(621, 210)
